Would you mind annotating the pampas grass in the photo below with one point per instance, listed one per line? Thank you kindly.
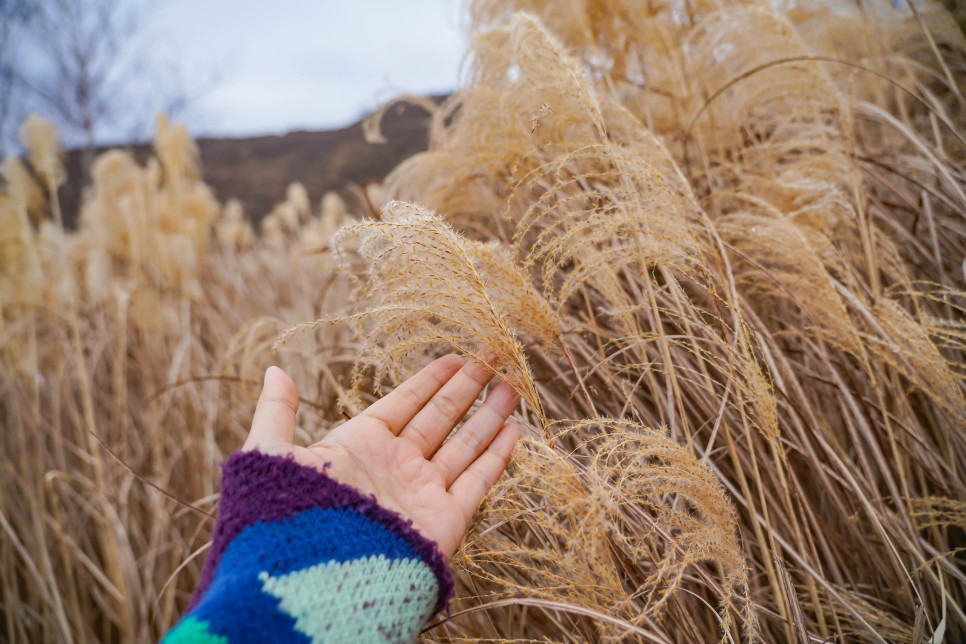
(131, 357)
(717, 251)
(699, 194)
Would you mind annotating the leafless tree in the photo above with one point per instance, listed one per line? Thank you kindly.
(86, 65)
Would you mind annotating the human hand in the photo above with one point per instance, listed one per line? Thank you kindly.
(395, 450)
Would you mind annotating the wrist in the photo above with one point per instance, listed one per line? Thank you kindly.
(260, 488)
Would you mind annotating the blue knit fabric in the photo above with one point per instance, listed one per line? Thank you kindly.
(313, 565)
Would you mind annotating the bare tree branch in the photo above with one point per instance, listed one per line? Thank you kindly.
(83, 64)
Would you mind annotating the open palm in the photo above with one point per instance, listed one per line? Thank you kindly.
(395, 449)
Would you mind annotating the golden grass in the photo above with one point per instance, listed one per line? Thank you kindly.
(132, 352)
(718, 251)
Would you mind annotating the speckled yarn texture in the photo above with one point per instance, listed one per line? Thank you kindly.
(299, 557)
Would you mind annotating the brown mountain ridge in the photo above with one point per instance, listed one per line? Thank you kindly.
(257, 170)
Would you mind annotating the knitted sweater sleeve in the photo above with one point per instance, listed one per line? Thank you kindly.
(299, 557)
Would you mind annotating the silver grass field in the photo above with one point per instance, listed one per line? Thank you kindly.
(719, 251)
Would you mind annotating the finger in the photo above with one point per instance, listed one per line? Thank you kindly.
(447, 407)
(466, 445)
(274, 420)
(398, 407)
(472, 485)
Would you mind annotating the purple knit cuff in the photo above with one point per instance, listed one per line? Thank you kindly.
(260, 487)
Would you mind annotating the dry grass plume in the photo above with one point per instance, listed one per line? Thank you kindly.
(717, 250)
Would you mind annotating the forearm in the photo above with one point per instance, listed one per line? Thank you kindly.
(297, 556)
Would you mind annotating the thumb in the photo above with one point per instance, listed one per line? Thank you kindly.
(274, 420)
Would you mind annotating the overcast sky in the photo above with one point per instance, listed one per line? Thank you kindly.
(292, 64)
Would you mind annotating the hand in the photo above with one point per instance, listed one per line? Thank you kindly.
(393, 449)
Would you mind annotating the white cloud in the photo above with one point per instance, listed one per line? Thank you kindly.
(293, 64)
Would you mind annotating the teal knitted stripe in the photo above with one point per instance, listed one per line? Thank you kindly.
(193, 631)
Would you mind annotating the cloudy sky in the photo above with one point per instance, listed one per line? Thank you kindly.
(262, 68)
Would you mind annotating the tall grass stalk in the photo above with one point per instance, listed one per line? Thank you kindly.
(717, 250)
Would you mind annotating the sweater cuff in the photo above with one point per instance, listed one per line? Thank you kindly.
(257, 487)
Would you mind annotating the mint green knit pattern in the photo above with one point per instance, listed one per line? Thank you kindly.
(368, 599)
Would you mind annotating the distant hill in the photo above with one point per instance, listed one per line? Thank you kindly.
(257, 170)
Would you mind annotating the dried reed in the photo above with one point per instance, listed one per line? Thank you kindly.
(716, 249)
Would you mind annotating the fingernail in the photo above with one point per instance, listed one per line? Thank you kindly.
(504, 392)
(490, 358)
